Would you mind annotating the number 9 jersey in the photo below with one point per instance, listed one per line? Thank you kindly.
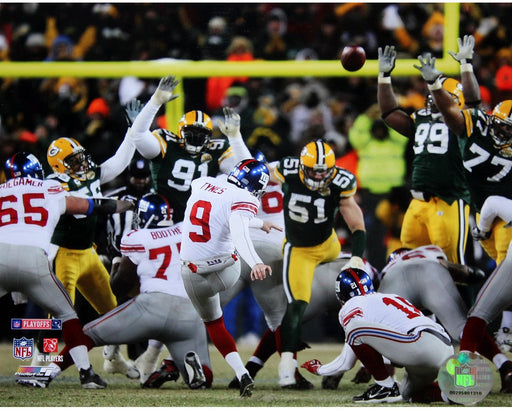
(309, 215)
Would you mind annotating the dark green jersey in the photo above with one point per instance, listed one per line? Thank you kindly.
(437, 164)
(174, 169)
(309, 215)
(77, 231)
(488, 169)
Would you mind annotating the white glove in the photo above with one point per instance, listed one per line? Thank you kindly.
(355, 262)
(231, 124)
(163, 93)
(466, 46)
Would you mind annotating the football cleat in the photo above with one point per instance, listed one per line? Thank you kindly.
(503, 339)
(67, 156)
(153, 211)
(501, 124)
(379, 394)
(167, 372)
(23, 164)
(194, 131)
(194, 369)
(352, 282)
(317, 165)
(115, 363)
(90, 380)
(251, 175)
(506, 377)
(146, 363)
(246, 385)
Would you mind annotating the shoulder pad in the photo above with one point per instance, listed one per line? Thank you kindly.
(166, 135)
(346, 181)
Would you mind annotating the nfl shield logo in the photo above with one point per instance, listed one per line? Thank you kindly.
(22, 348)
(15, 323)
(465, 376)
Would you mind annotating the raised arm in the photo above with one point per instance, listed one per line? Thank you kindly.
(231, 128)
(468, 79)
(452, 114)
(392, 113)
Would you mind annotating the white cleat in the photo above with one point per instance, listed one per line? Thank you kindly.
(115, 363)
(504, 339)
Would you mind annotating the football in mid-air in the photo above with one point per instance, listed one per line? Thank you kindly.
(353, 58)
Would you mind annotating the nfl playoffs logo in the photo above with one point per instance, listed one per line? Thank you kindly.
(22, 348)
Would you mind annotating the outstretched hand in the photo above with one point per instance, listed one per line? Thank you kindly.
(131, 110)
(428, 69)
(387, 59)
(164, 92)
(312, 365)
(466, 46)
(268, 226)
(231, 124)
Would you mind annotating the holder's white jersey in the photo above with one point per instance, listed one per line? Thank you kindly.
(389, 310)
(205, 228)
(271, 209)
(156, 252)
(29, 211)
(431, 252)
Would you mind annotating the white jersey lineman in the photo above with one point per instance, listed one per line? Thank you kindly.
(162, 310)
(418, 276)
(396, 329)
(31, 209)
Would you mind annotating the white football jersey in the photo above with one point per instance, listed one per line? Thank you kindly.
(271, 209)
(390, 310)
(431, 252)
(156, 252)
(29, 211)
(206, 223)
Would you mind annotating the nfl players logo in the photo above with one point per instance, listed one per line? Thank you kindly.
(22, 348)
(50, 345)
(465, 376)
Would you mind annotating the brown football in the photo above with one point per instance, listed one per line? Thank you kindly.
(353, 58)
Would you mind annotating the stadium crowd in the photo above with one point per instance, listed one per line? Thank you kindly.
(359, 124)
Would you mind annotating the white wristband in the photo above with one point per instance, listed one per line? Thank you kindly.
(466, 68)
(381, 79)
(435, 86)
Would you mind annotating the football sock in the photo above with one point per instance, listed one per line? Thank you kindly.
(372, 360)
(220, 337)
(472, 334)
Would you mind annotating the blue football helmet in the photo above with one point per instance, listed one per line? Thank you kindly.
(258, 155)
(23, 164)
(153, 211)
(250, 174)
(353, 282)
(396, 253)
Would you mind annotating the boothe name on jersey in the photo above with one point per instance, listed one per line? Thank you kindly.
(309, 215)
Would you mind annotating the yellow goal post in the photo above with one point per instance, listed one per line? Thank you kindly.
(210, 68)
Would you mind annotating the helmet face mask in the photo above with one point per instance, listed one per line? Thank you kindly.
(23, 164)
(251, 175)
(195, 131)
(316, 167)
(352, 282)
(501, 124)
(153, 211)
(67, 156)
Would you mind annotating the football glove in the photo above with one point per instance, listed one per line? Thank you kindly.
(312, 366)
(387, 59)
(479, 235)
(354, 262)
(164, 92)
(428, 69)
(131, 110)
(231, 124)
(465, 54)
